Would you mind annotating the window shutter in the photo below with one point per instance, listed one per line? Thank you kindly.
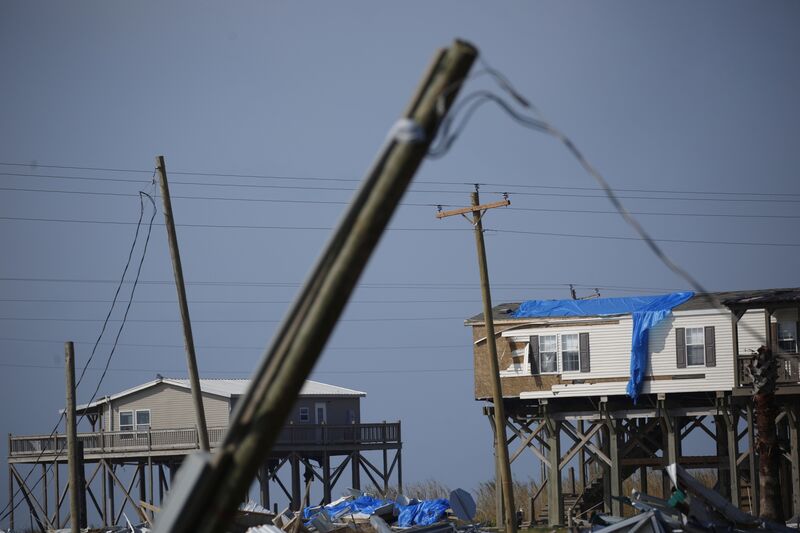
(584, 347)
(680, 346)
(711, 346)
(774, 336)
(533, 357)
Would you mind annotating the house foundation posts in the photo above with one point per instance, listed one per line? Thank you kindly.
(356, 470)
(731, 422)
(723, 471)
(56, 497)
(10, 498)
(263, 486)
(555, 498)
(615, 477)
(294, 461)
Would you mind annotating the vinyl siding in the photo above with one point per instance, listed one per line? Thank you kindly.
(336, 410)
(170, 407)
(610, 346)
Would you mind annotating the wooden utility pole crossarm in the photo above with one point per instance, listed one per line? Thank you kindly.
(191, 359)
(501, 445)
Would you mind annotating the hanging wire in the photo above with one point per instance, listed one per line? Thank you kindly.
(8, 508)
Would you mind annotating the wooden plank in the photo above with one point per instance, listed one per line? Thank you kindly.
(472, 209)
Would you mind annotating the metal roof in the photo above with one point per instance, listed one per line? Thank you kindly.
(231, 387)
(753, 299)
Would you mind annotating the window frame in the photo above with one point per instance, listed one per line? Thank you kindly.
(702, 345)
(132, 425)
(136, 420)
(781, 324)
(304, 414)
(557, 354)
(577, 352)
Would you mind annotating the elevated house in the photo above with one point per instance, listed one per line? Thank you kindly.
(152, 428)
(567, 376)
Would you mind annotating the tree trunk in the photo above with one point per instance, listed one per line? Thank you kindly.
(764, 368)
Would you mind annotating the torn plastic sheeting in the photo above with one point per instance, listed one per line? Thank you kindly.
(363, 504)
(647, 311)
(423, 513)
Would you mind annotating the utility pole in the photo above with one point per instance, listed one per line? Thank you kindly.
(72, 441)
(501, 447)
(188, 339)
(209, 488)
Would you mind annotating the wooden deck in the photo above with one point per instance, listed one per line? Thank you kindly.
(175, 442)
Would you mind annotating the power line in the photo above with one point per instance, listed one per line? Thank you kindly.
(621, 238)
(384, 285)
(6, 511)
(246, 373)
(219, 198)
(227, 302)
(648, 213)
(219, 321)
(511, 232)
(253, 347)
(516, 193)
(356, 180)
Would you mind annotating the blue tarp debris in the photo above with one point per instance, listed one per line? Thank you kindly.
(363, 504)
(424, 513)
(647, 311)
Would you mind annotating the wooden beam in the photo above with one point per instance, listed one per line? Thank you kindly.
(473, 209)
(36, 509)
(128, 497)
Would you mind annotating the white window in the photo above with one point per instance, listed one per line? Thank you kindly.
(304, 414)
(695, 347)
(548, 354)
(126, 420)
(570, 353)
(143, 420)
(787, 337)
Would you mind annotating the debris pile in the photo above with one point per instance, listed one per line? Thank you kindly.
(691, 507)
(366, 513)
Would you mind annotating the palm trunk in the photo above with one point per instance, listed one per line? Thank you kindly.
(765, 377)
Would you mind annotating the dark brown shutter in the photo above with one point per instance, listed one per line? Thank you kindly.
(711, 346)
(680, 346)
(773, 327)
(533, 355)
(584, 347)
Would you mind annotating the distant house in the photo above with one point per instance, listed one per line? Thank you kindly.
(152, 428)
(698, 348)
(167, 404)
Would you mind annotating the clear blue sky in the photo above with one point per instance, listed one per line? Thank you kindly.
(679, 96)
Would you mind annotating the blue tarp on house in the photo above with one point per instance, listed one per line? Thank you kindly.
(647, 311)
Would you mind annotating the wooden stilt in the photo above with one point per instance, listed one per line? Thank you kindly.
(555, 499)
(296, 496)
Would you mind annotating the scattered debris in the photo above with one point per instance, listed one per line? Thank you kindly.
(691, 507)
(365, 513)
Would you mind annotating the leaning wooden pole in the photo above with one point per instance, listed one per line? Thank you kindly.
(504, 493)
(72, 441)
(209, 489)
(501, 445)
(188, 339)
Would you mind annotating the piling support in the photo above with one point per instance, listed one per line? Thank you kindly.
(555, 499)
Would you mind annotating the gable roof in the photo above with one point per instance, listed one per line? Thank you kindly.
(754, 299)
(227, 388)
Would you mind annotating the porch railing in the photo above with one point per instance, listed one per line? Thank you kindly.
(187, 439)
(788, 369)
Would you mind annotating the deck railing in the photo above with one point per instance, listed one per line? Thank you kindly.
(788, 369)
(187, 439)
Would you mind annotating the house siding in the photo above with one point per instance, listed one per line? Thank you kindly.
(170, 407)
(610, 345)
(337, 410)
